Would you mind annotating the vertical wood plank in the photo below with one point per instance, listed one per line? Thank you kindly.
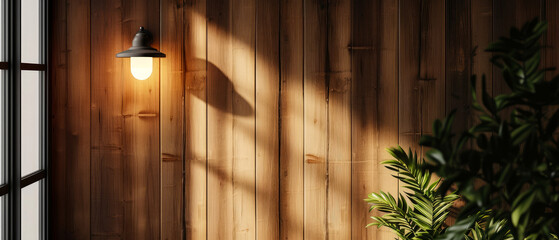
(482, 36)
(140, 110)
(374, 112)
(458, 67)
(458, 64)
(78, 119)
(503, 19)
(527, 10)
(195, 112)
(365, 80)
(315, 118)
(291, 117)
(550, 53)
(107, 122)
(432, 63)
(422, 69)
(70, 105)
(387, 92)
(338, 78)
(171, 100)
(243, 33)
(57, 129)
(267, 119)
(409, 104)
(551, 50)
(220, 121)
(243, 79)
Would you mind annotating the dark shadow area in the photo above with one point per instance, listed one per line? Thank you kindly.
(241, 106)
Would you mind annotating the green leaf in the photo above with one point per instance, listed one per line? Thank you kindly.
(488, 102)
(520, 134)
(520, 205)
(459, 229)
(436, 155)
(552, 125)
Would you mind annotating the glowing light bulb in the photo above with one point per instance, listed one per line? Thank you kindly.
(141, 67)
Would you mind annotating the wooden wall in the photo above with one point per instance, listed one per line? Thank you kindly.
(274, 113)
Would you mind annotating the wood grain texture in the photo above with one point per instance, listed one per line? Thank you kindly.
(458, 65)
(172, 87)
(365, 112)
(140, 108)
(107, 122)
(458, 68)
(315, 119)
(220, 121)
(70, 109)
(551, 50)
(57, 119)
(243, 37)
(482, 36)
(431, 63)
(374, 108)
(277, 111)
(267, 119)
(422, 70)
(409, 103)
(195, 112)
(78, 121)
(527, 10)
(291, 144)
(338, 78)
(387, 89)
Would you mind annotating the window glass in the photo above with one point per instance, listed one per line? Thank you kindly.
(31, 211)
(30, 122)
(30, 31)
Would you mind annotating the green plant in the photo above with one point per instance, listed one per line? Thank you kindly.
(487, 228)
(509, 160)
(424, 219)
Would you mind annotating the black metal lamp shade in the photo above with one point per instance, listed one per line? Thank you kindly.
(141, 46)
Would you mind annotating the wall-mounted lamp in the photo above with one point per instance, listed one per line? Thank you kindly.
(141, 55)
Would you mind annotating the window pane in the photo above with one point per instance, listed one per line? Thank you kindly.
(30, 31)
(31, 211)
(30, 122)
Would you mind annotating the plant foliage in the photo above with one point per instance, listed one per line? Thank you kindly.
(509, 160)
(425, 216)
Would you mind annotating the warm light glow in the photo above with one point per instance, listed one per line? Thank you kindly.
(141, 67)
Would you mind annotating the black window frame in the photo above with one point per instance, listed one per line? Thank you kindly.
(11, 69)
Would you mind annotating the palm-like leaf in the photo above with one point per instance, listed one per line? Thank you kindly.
(424, 218)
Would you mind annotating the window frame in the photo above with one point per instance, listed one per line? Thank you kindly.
(11, 69)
